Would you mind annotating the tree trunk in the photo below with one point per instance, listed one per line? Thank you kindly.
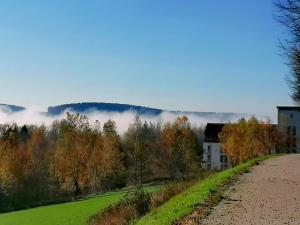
(77, 190)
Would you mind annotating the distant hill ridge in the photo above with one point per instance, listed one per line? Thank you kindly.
(120, 108)
(86, 107)
(101, 106)
(12, 108)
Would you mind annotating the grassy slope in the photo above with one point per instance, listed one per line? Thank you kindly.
(72, 213)
(184, 203)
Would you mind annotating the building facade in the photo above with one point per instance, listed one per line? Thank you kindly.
(289, 118)
(213, 157)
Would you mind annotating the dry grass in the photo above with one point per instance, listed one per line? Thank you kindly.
(119, 214)
(137, 205)
(166, 193)
(131, 208)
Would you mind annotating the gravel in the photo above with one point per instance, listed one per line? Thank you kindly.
(269, 194)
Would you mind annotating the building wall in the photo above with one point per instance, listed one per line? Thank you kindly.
(212, 156)
(291, 120)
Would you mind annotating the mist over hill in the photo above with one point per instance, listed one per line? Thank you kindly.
(122, 114)
(101, 106)
(11, 108)
(87, 107)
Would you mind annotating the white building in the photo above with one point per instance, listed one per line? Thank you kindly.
(213, 157)
(289, 118)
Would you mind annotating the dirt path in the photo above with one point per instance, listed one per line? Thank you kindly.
(270, 194)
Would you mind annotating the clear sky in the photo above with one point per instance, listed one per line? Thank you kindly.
(197, 55)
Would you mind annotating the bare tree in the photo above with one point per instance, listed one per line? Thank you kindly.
(288, 14)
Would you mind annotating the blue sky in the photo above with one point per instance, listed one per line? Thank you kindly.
(197, 55)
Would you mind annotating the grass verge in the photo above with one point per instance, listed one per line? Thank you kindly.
(184, 203)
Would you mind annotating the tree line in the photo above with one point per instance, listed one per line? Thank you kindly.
(252, 138)
(73, 158)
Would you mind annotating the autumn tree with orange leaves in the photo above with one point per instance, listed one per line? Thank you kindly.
(109, 158)
(251, 138)
(74, 157)
(179, 148)
(73, 149)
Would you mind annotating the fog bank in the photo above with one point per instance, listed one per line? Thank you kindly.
(37, 116)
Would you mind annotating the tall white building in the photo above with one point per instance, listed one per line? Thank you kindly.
(213, 157)
(289, 118)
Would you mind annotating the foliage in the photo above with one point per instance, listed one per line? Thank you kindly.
(248, 139)
(178, 144)
(24, 168)
(75, 158)
(73, 149)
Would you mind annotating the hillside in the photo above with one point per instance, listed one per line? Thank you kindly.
(87, 107)
(11, 108)
(141, 110)
(101, 106)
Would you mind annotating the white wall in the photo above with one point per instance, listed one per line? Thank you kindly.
(215, 156)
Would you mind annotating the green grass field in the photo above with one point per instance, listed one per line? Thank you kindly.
(184, 203)
(72, 213)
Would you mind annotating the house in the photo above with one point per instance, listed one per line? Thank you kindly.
(213, 157)
(289, 118)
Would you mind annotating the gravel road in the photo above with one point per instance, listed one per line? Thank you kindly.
(269, 194)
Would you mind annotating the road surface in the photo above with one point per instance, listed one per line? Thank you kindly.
(269, 194)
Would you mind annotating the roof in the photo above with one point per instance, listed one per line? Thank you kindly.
(289, 108)
(212, 131)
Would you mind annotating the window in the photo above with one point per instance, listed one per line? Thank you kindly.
(209, 158)
(292, 116)
(294, 142)
(209, 149)
(294, 131)
(223, 158)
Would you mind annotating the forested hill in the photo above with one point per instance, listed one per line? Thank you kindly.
(11, 108)
(141, 110)
(107, 107)
(87, 107)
